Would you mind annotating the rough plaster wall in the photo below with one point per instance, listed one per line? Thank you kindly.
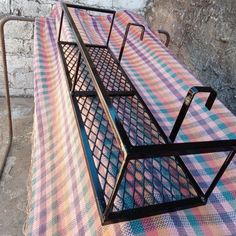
(203, 36)
(19, 43)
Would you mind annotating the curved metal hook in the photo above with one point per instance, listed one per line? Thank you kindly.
(160, 31)
(126, 34)
(187, 102)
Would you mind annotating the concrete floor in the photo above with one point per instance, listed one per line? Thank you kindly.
(13, 186)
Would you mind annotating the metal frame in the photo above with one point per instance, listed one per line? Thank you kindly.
(129, 151)
(6, 82)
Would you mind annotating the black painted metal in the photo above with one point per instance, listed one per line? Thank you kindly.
(160, 31)
(76, 73)
(219, 174)
(187, 102)
(135, 168)
(126, 35)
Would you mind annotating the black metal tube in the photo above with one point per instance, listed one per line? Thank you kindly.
(116, 188)
(219, 174)
(109, 35)
(97, 10)
(166, 207)
(126, 35)
(187, 102)
(60, 28)
(76, 74)
(175, 149)
(109, 110)
(90, 8)
(110, 93)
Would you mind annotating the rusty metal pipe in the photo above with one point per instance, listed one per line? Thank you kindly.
(160, 31)
(3, 21)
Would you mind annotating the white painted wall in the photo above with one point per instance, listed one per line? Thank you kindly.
(19, 43)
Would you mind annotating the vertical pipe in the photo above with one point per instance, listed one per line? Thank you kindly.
(61, 22)
(116, 188)
(76, 74)
(6, 81)
(109, 35)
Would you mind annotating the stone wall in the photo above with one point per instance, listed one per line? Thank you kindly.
(203, 36)
(19, 43)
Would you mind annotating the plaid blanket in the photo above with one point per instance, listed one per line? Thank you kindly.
(61, 199)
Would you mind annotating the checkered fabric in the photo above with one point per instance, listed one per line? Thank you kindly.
(62, 200)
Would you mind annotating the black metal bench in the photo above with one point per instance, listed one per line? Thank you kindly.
(136, 170)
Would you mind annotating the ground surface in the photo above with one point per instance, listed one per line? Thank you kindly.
(13, 186)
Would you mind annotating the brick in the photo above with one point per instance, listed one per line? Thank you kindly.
(131, 5)
(21, 79)
(31, 8)
(4, 6)
(104, 3)
(19, 30)
(14, 46)
(16, 62)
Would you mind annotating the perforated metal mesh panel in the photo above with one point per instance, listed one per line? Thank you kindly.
(146, 182)
(136, 121)
(108, 70)
(106, 153)
(152, 181)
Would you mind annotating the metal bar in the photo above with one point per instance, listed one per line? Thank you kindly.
(126, 35)
(173, 149)
(69, 43)
(95, 45)
(97, 10)
(187, 102)
(109, 110)
(109, 35)
(60, 28)
(219, 174)
(110, 93)
(90, 8)
(190, 177)
(100, 201)
(135, 213)
(6, 81)
(160, 31)
(86, 44)
(116, 188)
(76, 74)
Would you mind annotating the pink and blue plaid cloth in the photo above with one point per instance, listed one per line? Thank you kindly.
(61, 198)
